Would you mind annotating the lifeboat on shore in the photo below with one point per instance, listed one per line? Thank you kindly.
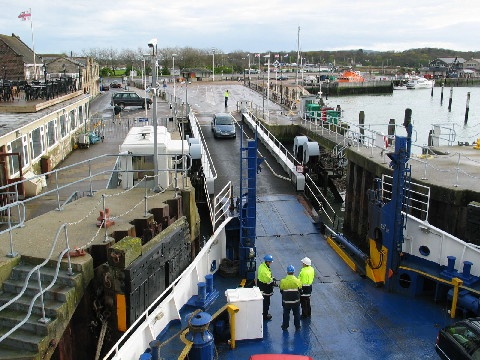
(351, 76)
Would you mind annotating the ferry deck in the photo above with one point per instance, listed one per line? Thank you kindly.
(351, 318)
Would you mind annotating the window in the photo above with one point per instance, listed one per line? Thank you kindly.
(51, 133)
(19, 146)
(73, 120)
(63, 126)
(466, 338)
(80, 114)
(37, 137)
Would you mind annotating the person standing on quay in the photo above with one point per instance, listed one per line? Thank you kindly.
(265, 283)
(226, 97)
(290, 288)
(306, 276)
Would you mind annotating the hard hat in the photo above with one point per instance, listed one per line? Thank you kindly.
(290, 269)
(306, 261)
(268, 257)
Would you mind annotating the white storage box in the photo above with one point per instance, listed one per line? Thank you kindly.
(249, 319)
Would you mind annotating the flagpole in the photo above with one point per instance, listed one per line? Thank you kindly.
(33, 46)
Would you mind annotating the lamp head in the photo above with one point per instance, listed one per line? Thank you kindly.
(152, 43)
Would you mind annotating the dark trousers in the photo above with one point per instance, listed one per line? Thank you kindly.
(295, 307)
(266, 304)
(226, 101)
(305, 304)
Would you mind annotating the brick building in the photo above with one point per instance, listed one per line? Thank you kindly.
(17, 60)
(19, 63)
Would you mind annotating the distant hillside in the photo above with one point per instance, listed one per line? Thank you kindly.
(413, 58)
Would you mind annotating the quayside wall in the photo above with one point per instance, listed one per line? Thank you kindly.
(449, 207)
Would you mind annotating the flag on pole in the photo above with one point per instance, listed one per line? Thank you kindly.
(25, 15)
(257, 55)
(286, 55)
(277, 55)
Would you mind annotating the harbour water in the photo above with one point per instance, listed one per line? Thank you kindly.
(426, 111)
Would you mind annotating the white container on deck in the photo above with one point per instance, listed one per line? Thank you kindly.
(249, 319)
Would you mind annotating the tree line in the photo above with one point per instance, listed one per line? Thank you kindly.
(111, 59)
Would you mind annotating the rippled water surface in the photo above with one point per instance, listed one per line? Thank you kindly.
(426, 111)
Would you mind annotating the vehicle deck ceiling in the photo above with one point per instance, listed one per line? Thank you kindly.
(351, 318)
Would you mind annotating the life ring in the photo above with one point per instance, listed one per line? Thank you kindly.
(385, 139)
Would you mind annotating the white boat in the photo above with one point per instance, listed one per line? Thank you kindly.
(420, 83)
(400, 87)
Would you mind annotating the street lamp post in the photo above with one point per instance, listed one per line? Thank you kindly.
(153, 44)
(173, 70)
(248, 70)
(144, 80)
(213, 64)
(174, 107)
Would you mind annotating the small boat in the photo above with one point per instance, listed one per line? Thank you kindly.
(351, 76)
(420, 83)
(400, 85)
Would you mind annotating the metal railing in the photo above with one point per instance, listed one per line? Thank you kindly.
(65, 249)
(416, 201)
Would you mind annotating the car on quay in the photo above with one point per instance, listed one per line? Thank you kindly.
(460, 340)
(116, 84)
(282, 77)
(223, 126)
(130, 98)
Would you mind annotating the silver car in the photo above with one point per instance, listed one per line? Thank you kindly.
(223, 126)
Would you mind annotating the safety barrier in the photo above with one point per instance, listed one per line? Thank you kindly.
(283, 156)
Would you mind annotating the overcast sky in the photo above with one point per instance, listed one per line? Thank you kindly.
(248, 25)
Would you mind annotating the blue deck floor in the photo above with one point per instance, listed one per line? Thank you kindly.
(351, 318)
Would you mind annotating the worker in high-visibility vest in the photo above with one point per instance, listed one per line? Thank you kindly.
(306, 276)
(226, 94)
(265, 282)
(290, 288)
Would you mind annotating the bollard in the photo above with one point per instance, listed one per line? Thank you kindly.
(451, 263)
(441, 95)
(450, 100)
(209, 282)
(203, 347)
(361, 125)
(468, 107)
(467, 266)
(202, 295)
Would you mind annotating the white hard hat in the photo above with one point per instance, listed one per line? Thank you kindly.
(306, 261)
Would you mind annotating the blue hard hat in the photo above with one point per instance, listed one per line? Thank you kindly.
(290, 269)
(268, 257)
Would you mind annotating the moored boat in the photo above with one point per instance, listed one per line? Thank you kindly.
(420, 83)
(351, 76)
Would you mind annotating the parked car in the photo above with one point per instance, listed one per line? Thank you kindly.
(223, 126)
(115, 84)
(282, 77)
(105, 87)
(460, 340)
(129, 98)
